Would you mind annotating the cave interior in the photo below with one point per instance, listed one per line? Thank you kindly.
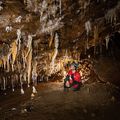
(40, 39)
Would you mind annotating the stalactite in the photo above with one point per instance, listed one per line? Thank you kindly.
(4, 62)
(84, 4)
(60, 7)
(49, 25)
(18, 19)
(13, 53)
(28, 18)
(1, 62)
(29, 56)
(35, 6)
(29, 4)
(107, 39)
(29, 66)
(12, 82)
(25, 76)
(21, 84)
(88, 27)
(4, 83)
(1, 8)
(44, 5)
(51, 39)
(88, 30)
(8, 61)
(111, 16)
(19, 36)
(55, 53)
(53, 10)
(34, 73)
(24, 65)
(96, 37)
(8, 29)
(29, 45)
(23, 58)
(19, 66)
(25, 2)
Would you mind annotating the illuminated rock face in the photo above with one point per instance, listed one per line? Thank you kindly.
(60, 31)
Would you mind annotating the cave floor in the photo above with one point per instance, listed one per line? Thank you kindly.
(95, 101)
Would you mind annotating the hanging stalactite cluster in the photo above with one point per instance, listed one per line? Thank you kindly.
(21, 57)
(38, 43)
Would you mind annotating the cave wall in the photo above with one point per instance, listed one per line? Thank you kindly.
(60, 31)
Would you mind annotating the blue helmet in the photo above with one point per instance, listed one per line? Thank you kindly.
(75, 65)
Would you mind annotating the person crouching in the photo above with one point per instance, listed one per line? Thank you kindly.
(73, 79)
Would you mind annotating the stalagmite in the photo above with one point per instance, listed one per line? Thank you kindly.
(34, 89)
(22, 91)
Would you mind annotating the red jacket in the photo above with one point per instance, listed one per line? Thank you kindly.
(76, 75)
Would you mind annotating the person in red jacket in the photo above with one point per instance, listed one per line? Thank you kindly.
(73, 79)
